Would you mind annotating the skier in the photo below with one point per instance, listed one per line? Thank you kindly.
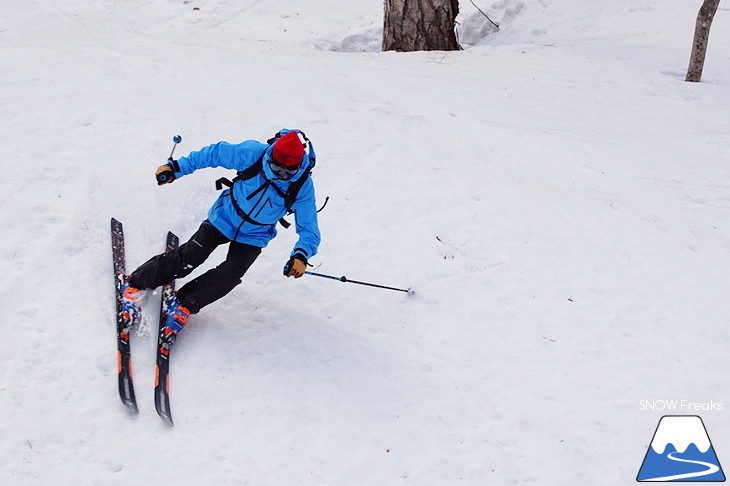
(244, 217)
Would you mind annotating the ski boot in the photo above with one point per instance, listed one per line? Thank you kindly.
(177, 319)
(132, 299)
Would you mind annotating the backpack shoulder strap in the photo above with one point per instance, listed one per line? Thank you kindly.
(242, 175)
(250, 172)
(291, 194)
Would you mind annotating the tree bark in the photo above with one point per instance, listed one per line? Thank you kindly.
(699, 44)
(420, 25)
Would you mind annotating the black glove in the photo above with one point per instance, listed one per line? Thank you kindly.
(296, 266)
(165, 173)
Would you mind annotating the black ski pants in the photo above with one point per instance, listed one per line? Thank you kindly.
(210, 286)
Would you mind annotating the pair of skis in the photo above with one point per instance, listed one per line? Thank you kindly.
(124, 325)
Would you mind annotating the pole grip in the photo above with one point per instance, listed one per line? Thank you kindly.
(176, 140)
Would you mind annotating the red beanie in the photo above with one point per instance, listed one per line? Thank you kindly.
(288, 150)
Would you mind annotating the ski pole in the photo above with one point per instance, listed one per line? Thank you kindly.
(163, 177)
(409, 291)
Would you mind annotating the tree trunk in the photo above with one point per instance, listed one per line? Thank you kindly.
(420, 25)
(702, 34)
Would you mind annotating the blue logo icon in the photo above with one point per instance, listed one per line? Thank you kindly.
(680, 451)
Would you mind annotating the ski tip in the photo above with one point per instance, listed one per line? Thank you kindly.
(116, 225)
(172, 240)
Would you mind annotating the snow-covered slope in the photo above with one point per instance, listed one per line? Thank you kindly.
(556, 194)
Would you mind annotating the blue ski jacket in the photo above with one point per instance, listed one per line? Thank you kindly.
(256, 197)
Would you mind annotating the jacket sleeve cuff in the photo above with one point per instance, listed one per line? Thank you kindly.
(299, 254)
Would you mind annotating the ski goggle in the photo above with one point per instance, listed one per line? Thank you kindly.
(282, 171)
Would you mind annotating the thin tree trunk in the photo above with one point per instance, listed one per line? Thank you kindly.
(699, 44)
(420, 25)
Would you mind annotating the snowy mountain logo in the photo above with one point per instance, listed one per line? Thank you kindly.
(680, 451)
